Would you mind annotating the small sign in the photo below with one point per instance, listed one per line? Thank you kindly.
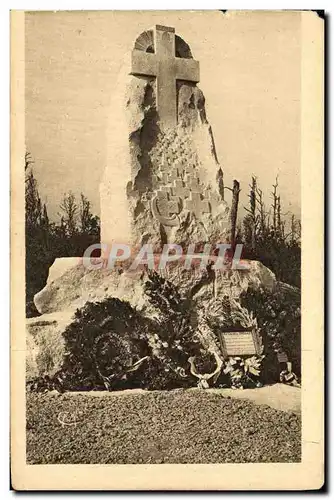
(241, 342)
(282, 357)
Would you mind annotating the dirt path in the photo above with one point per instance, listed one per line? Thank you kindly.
(279, 396)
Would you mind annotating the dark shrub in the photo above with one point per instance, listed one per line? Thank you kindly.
(103, 341)
(279, 317)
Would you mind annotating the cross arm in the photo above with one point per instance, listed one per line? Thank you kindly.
(143, 63)
(187, 69)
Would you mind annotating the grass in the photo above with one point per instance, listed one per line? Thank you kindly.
(180, 426)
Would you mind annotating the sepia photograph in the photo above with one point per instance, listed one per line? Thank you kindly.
(161, 222)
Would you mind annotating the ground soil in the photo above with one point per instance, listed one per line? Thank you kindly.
(180, 426)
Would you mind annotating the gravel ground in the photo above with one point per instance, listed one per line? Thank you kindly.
(158, 427)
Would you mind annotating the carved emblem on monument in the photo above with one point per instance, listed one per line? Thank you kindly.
(178, 186)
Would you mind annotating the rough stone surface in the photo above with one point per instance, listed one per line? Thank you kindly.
(160, 184)
(70, 286)
(45, 344)
(79, 285)
(76, 285)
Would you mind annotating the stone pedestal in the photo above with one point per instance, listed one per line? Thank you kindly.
(70, 286)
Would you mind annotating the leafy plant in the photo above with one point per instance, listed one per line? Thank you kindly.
(103, 344)
(279, 317)
(110, 345)
(244, 372)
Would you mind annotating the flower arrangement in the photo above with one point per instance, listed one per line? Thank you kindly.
(244, 372)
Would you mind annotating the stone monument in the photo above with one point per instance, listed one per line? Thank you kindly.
(162, 182)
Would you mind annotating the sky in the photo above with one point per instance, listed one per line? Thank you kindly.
(250, 68)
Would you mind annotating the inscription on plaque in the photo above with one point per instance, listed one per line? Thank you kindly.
(241, 342)
(282, 357)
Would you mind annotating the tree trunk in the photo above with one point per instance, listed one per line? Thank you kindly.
(234, 210)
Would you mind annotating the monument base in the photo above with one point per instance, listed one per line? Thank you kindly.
(71, 286)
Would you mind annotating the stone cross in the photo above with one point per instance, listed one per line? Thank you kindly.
(166, 68)
(167, 204)
(197, 205)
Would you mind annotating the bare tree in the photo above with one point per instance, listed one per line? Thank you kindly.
(279, 222)
(84, 213)
(33, 203)
(263, 215)
(275, 203)
(234, 210)
(234, 207)
(220, 181)
(252, 212)
(295, 229)
(70, 213)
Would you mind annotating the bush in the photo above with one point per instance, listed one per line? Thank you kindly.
(102, 343)
(110, 345)
(279, 318)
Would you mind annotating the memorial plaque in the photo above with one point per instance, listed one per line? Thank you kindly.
(282, 357)
(241, 342)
